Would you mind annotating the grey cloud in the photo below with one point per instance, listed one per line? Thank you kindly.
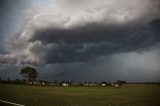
(88, 42)
(85, 44)
(125, 66)
(92, 31)
(89, 39)
(10, 13)
(9, 71)
(2, 49)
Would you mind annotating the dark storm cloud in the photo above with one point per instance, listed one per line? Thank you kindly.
(62, 34)
(81, 40)
(90, 41)
(125, 66)
(90, 33)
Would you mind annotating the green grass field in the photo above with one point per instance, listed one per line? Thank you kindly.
(135, 95)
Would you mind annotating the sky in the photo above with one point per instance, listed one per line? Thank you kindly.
(81, 40)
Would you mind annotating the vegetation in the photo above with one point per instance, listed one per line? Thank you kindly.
(45, 93)
(127, 95)
(30, 73)
(120, 82)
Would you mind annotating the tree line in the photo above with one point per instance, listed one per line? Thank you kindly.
(30, 74)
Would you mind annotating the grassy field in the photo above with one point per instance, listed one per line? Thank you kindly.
(135, 95)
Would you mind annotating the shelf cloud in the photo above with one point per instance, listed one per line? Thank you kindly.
(72, 31)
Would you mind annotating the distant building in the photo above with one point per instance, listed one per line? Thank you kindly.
(103, 85)
(64, 84)
(116, 85)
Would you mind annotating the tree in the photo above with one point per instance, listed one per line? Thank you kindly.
(30, 73)
(56, 82)
(120, 82)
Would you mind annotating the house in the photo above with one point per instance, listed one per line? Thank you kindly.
(116, 85)
(86, 84)
(103, 85)
(64, 84)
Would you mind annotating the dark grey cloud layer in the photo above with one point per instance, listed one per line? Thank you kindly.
(82, 40)
(125, 66)
(90, 41)
(98, 29)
